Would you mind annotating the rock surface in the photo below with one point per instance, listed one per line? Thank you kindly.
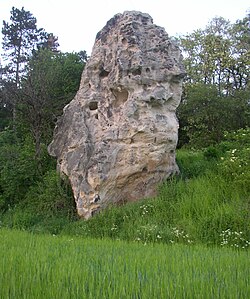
(116, 140)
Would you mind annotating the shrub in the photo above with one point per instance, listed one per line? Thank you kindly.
(47, 206)
(235, 162)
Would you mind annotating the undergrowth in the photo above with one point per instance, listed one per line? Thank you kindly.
(210, 197)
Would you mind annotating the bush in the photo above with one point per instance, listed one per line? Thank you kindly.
(47, 206)
(193, 163)
(18, 169)
(235, 161)
(211, 153)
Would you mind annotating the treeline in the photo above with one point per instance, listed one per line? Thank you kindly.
(216, 94)
(37, 80)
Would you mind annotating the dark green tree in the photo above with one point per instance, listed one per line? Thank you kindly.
(51, 82)
(20, 37)
(50, 42)
(205, 115)
(216, 91)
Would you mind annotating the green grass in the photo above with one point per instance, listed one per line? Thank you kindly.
(200, 207)
(46, 266)
(195, 207)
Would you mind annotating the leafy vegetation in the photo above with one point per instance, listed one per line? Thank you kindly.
(208, 198)
(190, 241)
(216, 89)
(211, 195)
(65, 267)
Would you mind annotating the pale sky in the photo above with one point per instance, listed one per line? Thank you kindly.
(76, 22)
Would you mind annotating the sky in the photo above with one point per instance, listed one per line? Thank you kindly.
(76, 22)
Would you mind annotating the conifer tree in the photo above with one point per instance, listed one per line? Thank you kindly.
(20, 37)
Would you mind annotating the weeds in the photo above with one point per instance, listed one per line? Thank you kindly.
(234, 239)
(211, 194)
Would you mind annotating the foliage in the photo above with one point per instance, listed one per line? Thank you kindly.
(47, 206)
(235, 161)
(18, 169)
(5, 113)
(51, 81)
(36, 96)
(205, 115)
(38, 80)
(190, 211)
(233, 239)
(216, 89)
(192, 163)
(194, 208)
(31, 194)
(209, 198)
(19, 39)
(218, 55)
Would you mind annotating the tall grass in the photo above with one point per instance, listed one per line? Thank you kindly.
(46, 266)
(196, 207)
(200, 204)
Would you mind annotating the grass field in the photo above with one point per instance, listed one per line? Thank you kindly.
(46, 266)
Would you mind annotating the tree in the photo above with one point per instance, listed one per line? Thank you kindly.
(205, 115)
(20, 37)
(216, 91)
(50, 43)
(5, 108)
(218, 55)
(37, 83)
(51, 82)
(240, 65)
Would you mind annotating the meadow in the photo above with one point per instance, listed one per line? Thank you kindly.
(47, 266)
(208, 203)
(191, 241)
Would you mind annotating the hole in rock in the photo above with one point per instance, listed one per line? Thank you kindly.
(93, 105)
(136, 71)
(96, 116)
(103, 73)
(144, 169)
(147, 70)
(121, 97)
(124, 41)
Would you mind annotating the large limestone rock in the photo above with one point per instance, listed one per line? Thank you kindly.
(116, 140)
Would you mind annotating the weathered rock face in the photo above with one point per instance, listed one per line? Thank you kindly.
(116, 139)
